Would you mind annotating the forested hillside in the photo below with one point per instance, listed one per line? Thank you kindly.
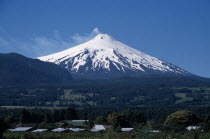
(16, 69)
(124, 92)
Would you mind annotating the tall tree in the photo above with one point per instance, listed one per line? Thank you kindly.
(3, 127)
(48, 118)
(207, 124)
(62, 114)
(101, 120)
(25, 116)
(180, 119)
(55, 116)
(71, 114)
(135, 118)
(117, 120)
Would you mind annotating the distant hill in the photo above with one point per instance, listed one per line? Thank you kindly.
(16, 69)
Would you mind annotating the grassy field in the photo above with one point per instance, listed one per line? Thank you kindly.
(108, 135)
(183, 98)
(70, 135)
(196, 93)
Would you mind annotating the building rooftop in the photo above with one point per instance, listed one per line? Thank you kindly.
(21, 129)
(126, 129)
(59, 130)
(39, 130)
(76, 129)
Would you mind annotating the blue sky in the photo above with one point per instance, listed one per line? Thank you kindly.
(176, 31)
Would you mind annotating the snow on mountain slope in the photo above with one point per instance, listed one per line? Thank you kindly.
(105, 57)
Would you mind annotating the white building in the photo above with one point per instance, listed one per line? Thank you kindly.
(102, 127)
(76, 129)
(59, 130)
(96, 130)
(20, 129)
(154, 131)
(39, 130)
(193, 127)
(126, 129)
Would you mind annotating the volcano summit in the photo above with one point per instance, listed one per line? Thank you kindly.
(103, 57)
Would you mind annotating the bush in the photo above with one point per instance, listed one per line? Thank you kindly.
(179, 120)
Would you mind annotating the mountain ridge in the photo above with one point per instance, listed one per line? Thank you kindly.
(18, 69)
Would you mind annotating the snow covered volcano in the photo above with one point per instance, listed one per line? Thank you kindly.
(105, 57)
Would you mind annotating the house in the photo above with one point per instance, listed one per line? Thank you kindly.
(153, 131)
(76, 123)
(20, 129)
(60, 124)
(76, 129)
(39, 130)
(126, 129)
(59, 130)
(96, 130)
(102, 127)
(193, 127)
